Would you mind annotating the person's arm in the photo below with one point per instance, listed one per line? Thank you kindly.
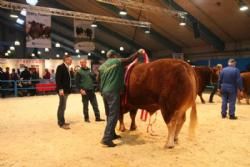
(77, 80)
(131, 58)
(59, 80)
(220, 81)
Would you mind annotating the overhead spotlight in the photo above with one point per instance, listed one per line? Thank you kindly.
(33, 54)
(57, 55)
(182, 19)
(103, 52)
(123, 12)
(13, 16)
(6, 54)
(78, 56)
(147, 31)
(20, 21)
(121, 48)
(93, 25)
(24, 12)
(58, 45)
(89, 54)
(12, 48)
(46, 49)
(17, 43)
(8, 51)
(77, 50)
(66, 53)
(39, 52)
(243, 6)
(188, 61)
(32, 2)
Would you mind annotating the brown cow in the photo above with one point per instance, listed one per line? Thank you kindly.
(205, 75)
(166, 84)
(246, 86)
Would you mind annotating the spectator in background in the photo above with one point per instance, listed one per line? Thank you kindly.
(25, 75)
(53, 75)
(72, 76)
(46, 74)
(229, 83)
(14, 75)
(18, 73)
(1, 83)
(34, 78)
(218, 69)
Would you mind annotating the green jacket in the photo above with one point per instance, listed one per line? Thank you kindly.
(112, 76)
(84, 79)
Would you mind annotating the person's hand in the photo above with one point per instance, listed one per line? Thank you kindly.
(141, 51)
(82, 92)
(61, 92)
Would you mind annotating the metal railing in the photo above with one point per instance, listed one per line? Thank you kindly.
(14, 86)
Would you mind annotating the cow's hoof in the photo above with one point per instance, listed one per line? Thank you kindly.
(122, 129)
(169, 146)
(132, 128)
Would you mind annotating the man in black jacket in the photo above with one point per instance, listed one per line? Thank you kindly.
(63, 85)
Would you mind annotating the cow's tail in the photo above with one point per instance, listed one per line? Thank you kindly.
(193, 121)
(193, 114)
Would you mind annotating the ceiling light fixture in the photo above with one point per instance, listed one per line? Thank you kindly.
(24, 12)
(58, 45)
(20, 21)
(46, 49)
(121, 48)
(13, 16)
(123, 12)
(32, 2)
(243, 6)
(17, 43)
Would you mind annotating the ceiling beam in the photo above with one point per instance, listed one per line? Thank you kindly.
(206, 34)
(165, 41)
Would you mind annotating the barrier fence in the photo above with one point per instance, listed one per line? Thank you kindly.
(34, 86)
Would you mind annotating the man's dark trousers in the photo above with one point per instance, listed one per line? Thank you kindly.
(112, 101)
(90, 96)
(61, 109)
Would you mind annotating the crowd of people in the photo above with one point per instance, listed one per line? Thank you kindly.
(27, 78)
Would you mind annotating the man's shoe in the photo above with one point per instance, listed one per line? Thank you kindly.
(99, 120)
(223, 116)
(87, 120)
(117, 137)
(108, 143)
(66, 127)
(233, 117)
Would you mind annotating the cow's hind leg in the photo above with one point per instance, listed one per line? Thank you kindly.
(122, 127)
(171, 133)
(132, 116)
(179, 125)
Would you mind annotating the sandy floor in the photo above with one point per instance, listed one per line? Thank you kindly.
(29, 136)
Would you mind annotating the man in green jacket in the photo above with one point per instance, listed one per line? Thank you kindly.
(111, 77)
(84, 82)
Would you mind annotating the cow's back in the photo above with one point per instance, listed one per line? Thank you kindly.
(167, 81)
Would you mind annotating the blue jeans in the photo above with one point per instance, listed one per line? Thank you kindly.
(228, 96)
(112, 103)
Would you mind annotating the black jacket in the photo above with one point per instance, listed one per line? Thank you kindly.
(63, 79)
